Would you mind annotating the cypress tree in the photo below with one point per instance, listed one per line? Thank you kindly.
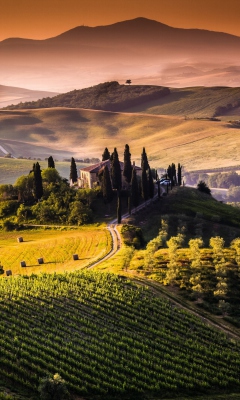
(144, 185)
(151, 186)
(38, 187)
(134, 189)
(127, 167)
(73, 171)
(116, 171)
(179, 174)
(51, 163)
(119, 209)
(144, 160)
(107, 186)
(105, 155)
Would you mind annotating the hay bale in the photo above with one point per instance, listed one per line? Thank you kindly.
(23, 264)
(75, 257)
(40, 260)
(20, 239)
(8, 272)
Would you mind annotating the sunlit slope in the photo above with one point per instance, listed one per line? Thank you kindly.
(191, 101)
(84, 133)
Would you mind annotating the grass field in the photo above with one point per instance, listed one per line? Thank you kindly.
(56, 246)
(195, 143)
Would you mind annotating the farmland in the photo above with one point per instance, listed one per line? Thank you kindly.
(106, 335)
(55, 246)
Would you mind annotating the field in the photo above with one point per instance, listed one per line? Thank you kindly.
(85, 133)
(107, 336)
(11, 169)
(55, 246)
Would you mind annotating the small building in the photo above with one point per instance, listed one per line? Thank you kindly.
(89, 177)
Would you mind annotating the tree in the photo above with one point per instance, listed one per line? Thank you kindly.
(107, 186)
(144, 185)
(151, 187)
(73, 171)
(179, 174)
(51, 163)
(38, 187)
(116, 174)
(202, 187)
(134, 189)
(144, 160)
(128, 81)
(53, 388)
(105, 155)
(127, 167)
(50, 175)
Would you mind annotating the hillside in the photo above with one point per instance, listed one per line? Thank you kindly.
(146, 51)
(109, 338)
(198, 102)
(196, 143)
(15, 95)
(109, 96)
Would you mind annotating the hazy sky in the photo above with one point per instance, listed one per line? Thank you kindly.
(40, 19)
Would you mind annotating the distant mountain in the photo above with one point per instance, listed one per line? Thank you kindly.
(146, 51)
(15, 95)
(108, 96)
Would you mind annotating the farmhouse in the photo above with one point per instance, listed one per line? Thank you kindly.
(89, 177)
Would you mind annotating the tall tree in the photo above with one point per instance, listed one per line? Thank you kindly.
(51, 163)
(151, 187)
(107, 186)
(116, 171)
(38, 186)
(144, 160)
(134, 189)
(179, 174)
(127, 167)
(73, 171)
(105, 155)
(144, 185)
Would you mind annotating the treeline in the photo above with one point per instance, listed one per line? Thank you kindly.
(92, 160)
(222, 110)
(108, 96)
(215, 180)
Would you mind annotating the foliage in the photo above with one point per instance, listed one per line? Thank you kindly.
(116, 174)
(109, 337)
(53, 388)
(105, 96)
(79, 214)
(37, 181)
(132, 236)
(105, 155)
(73, 171)
(51, 163)
(134, 189)
(202, 187)
(127, 167)
(107, 186)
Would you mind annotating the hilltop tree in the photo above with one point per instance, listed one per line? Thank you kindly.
(107, 186)
(127, 167)
(37, 183)
(105, 155)
(51, 163)
(73, 171)
(128, 81)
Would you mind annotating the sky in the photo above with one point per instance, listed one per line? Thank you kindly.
(40, 19)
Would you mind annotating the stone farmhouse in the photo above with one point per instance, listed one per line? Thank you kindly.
(89, 177)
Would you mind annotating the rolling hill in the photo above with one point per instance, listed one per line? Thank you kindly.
(143, 50)
(196, 143)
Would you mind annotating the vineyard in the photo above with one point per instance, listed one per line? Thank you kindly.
(55, 246)
(106, 336)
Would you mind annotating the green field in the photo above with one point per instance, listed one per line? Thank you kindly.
(55, 246)
(107, 336)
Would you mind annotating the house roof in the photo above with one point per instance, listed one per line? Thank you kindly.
(97, 167)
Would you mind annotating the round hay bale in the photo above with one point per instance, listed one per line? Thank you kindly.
(23, 264)
(20, 239)
(75, 257)
(8, 272)
(40, 260)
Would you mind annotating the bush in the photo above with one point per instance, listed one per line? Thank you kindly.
(53, 388)
(132, 236)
